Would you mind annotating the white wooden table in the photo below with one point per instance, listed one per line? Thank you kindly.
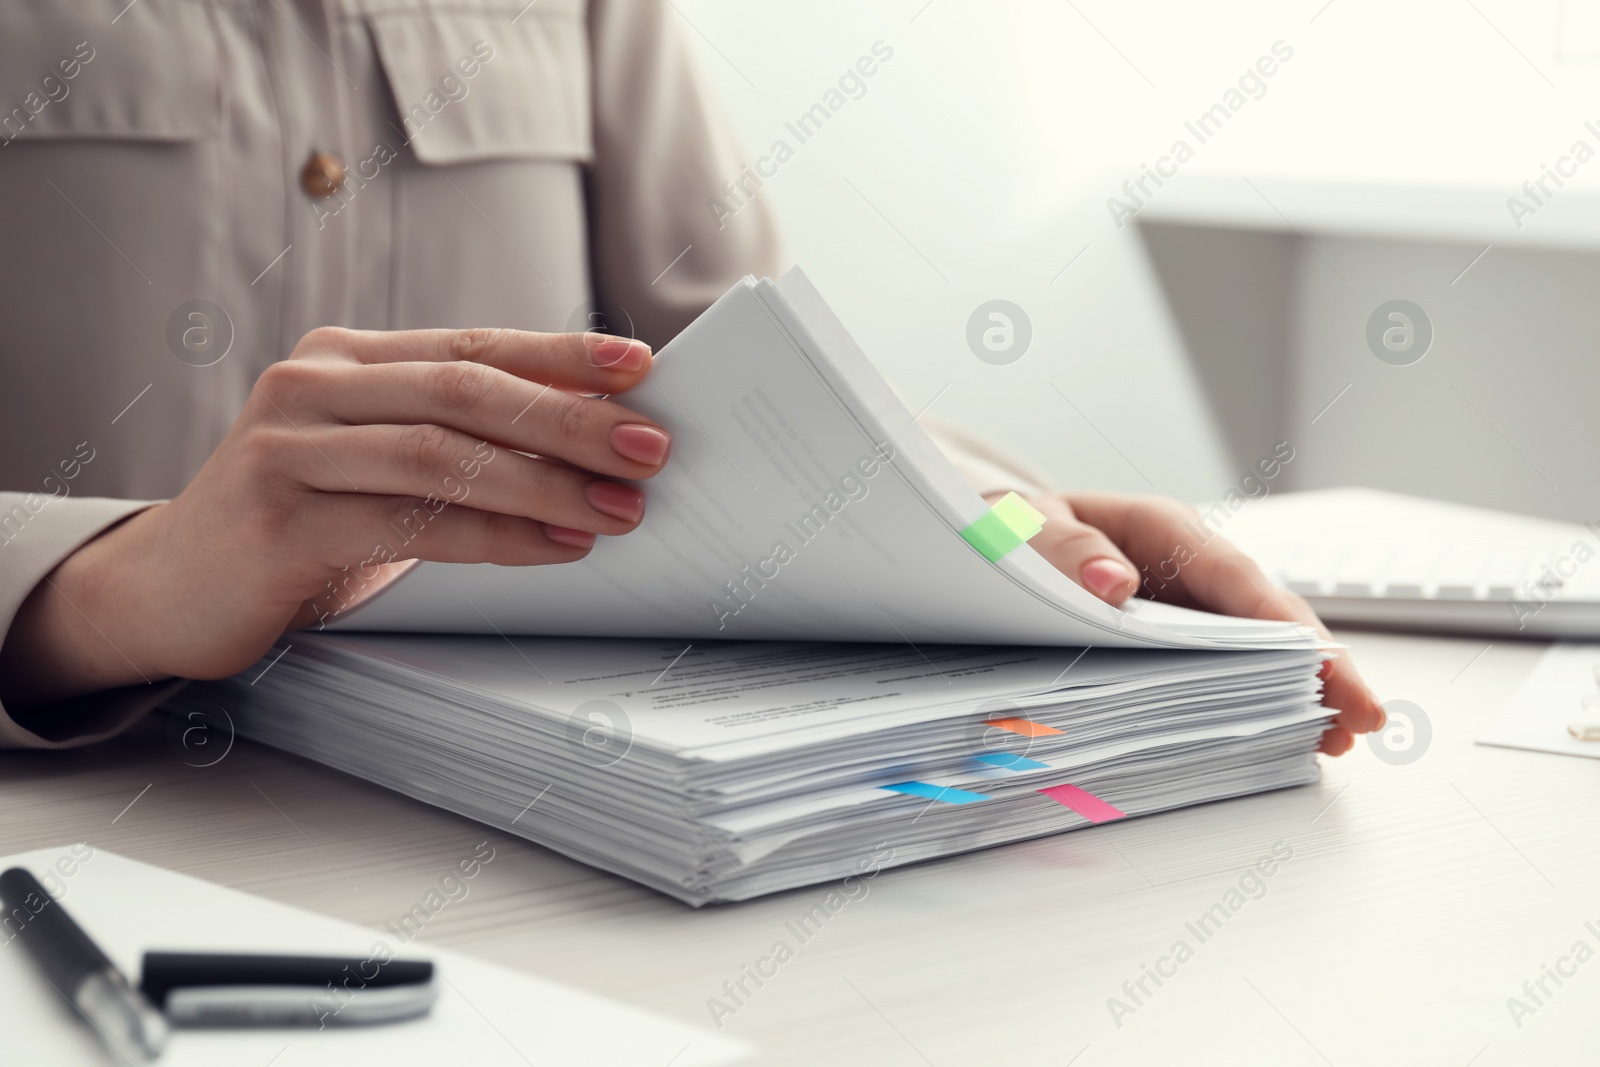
(1419, 898)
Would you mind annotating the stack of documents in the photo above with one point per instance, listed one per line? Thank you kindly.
(822, 654)
(731, 769)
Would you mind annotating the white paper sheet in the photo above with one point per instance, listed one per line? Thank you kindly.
(485, 1016)
(1549, 699)
(733, 700)
(801, 503)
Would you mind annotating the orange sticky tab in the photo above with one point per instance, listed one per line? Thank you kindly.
(1025, 727)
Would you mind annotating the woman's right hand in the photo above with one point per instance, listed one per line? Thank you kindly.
(360, 451)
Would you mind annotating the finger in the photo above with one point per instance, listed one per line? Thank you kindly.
(1215, 575)
(489, 404)
(1342, 689)
(1336, 741)
(422, 459)
(383, 529)
(1082, 552)
(1222, 578)
(581, 362)
(1147, 527)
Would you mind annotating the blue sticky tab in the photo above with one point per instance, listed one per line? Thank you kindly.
(1011, 761)
(947, 794)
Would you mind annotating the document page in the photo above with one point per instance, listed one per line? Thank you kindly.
(733, 700)
(1549, 700)
(801, 503)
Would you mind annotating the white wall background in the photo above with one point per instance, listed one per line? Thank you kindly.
(978, 163)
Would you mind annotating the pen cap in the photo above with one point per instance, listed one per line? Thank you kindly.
(165, 971)
(48, 933)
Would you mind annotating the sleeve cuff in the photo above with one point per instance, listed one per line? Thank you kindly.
(37, 532)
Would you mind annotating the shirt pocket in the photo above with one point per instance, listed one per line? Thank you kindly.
(475, 84)
(490, 221)
(110, 120)
(95, 69)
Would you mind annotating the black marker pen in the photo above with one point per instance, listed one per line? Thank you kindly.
(79, 971)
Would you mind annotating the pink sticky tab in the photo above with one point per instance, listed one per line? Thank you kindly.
(1025, 727)
(1088, 805)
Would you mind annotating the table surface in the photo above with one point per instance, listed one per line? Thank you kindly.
(1418, 900)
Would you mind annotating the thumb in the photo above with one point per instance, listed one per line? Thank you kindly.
(1082, 552)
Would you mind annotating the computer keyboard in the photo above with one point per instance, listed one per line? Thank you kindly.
(1372, 558)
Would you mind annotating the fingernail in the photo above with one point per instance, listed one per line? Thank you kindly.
(616, 353)
(619, 501)
(1379, 720)
(642, 444)
(1107, 578)
(561, 535)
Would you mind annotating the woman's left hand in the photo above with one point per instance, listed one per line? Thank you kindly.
(1112, 543)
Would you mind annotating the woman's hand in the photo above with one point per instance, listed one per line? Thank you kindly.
(361, 451)
(1111, 543)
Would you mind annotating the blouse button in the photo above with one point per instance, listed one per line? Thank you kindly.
(323, 175)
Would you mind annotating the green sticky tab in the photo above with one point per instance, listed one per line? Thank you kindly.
(1003, 527)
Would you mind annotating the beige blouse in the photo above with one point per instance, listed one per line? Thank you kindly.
(188, 186)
